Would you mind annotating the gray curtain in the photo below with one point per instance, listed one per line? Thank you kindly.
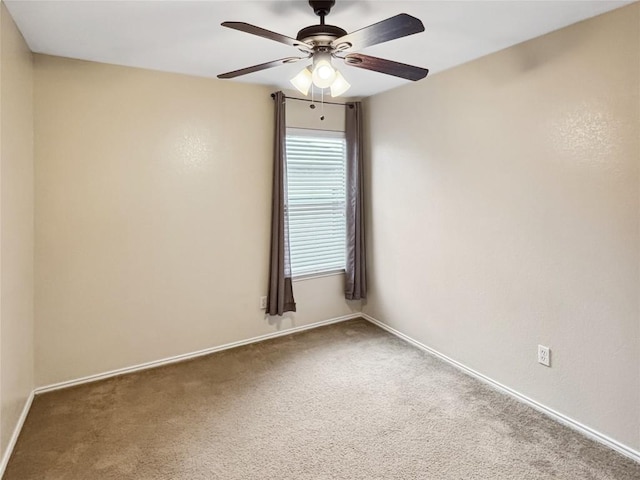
(280, 295)
(355, 279)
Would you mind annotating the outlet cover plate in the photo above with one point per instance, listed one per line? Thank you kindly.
(544, 355)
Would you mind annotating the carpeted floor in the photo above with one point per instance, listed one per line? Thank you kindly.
(347, 401)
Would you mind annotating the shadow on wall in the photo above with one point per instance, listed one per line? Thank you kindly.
(527, 57)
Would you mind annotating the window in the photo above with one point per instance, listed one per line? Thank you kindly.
(316, 200)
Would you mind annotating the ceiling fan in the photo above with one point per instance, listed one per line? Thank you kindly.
(323, 42)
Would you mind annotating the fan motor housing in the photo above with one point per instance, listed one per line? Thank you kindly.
(320, 35)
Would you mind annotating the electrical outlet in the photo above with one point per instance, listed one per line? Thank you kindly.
(263, 303)
(544, 355)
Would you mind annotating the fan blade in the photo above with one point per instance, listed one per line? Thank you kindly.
(397, 69)
(399, 26)
(261, 32)
(262, 66)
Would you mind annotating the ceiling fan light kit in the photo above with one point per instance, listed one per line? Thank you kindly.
(321, 43)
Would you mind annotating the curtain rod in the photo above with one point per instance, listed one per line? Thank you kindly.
(350, 105)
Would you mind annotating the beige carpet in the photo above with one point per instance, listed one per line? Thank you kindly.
(347, 401)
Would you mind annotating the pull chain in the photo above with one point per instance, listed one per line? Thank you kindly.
(313, 105)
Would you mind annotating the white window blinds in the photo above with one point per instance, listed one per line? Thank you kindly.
(316, 200)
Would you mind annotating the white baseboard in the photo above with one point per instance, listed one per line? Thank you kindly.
(16, 433)
(559, 417)
(188, 356)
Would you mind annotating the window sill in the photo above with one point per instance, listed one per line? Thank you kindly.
(312, 276)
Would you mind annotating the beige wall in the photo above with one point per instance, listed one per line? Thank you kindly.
(16, 225)
(152, 215)
(504, 213)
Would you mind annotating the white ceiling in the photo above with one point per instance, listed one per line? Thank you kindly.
(186, 36)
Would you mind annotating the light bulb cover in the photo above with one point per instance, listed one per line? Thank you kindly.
(302, 81)
(339, 85)
(323, 73)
